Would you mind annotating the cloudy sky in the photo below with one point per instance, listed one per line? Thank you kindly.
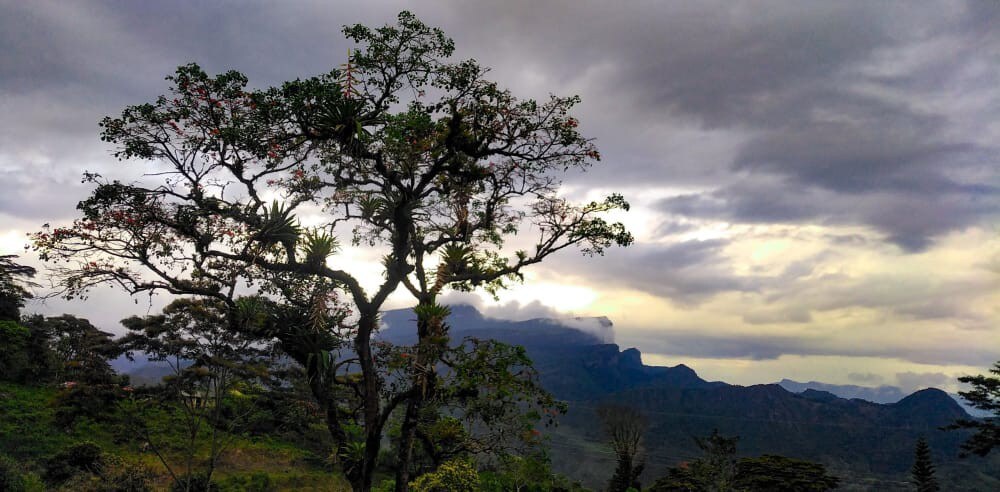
(814, 184)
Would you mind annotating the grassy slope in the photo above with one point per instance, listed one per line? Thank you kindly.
(27, 434)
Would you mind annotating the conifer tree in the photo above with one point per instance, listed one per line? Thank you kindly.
(923, 468)
(984, 395)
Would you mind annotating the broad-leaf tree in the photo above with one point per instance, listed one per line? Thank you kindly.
(771, 472)
(401, 150)
(488, 401)
(719, 469)
(208, 363)
(624, 426)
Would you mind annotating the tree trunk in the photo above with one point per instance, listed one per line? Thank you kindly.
(426, 380)
(406, 439)
(372, 413)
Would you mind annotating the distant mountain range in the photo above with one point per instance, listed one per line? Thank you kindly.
(868, 444)
(879, 394)
(864, 435)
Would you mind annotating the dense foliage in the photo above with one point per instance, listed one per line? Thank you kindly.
(720, 469)
(458, 475)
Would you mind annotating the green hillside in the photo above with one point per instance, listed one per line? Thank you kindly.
(29, 435)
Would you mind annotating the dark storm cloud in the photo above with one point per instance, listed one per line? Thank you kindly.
(112, 46)
(829, 96)
(718, 61)
(806, 96)
(854, 158)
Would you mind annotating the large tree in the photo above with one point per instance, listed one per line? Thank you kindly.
(400, 150)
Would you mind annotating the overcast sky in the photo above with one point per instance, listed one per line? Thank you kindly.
(815, 184)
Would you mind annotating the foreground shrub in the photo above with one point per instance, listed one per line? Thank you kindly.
(11, 476)
(194, 483)
(122, 475)
(256, 482)
(457, 475)
(82, 457)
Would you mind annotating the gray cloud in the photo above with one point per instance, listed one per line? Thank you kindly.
(795, 314)
(825, 101)
(865, 377)
(39, 198)
(822, 100)
(686, 272)
(913, 381)
(703, 343)
(511, 310)
(908, 218)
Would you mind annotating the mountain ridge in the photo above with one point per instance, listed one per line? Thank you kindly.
(854, 437)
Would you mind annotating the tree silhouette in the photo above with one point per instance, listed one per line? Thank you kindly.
(720, 470)
(624, 427)
(771, 472)
(984, 395)
(14, 277)
(923, 468)
(401, 151)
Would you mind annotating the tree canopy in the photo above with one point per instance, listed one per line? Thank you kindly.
(720, 469)
(401, 150)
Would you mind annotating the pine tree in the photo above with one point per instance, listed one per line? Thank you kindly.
(923, 468)
(984, 395)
